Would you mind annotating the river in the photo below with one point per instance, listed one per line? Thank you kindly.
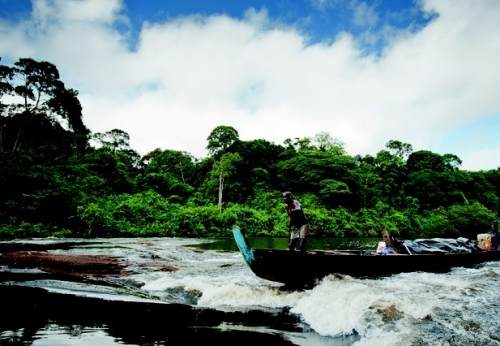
(214, 297)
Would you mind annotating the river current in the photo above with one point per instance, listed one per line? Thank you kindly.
(457, 308)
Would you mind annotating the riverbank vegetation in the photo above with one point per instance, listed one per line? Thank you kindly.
(57, 178)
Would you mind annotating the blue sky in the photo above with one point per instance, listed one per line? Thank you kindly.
(319, 20)
(168, 72)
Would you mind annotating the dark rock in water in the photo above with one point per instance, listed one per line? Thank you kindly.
(70, 265)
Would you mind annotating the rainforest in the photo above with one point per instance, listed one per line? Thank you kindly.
(57, 178)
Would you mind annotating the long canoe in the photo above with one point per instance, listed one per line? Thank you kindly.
(294, 267)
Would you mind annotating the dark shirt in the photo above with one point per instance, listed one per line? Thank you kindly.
(494, 230)
(296, 214)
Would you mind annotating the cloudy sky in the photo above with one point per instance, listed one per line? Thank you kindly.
(168, 72)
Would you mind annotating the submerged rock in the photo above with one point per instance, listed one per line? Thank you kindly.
(73, 265)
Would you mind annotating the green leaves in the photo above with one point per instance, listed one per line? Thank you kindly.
(221, 138)
(38, 105)
(52, 181)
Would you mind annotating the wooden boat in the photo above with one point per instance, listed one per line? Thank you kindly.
(295, 268)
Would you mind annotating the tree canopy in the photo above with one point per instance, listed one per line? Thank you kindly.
(59, 179)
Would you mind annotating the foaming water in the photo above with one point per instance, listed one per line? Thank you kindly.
(410, 308)
(456, 308)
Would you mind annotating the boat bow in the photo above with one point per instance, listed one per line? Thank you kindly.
(245, 249)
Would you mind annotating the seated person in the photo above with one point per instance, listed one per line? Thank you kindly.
(393, 245)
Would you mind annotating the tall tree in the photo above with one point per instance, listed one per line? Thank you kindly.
(223, 169)
(435, 180)
(320, 173)
(169, 173)
(400, 149)
(6, 88)
(42, 110)
(369, 181)
(258, 168)
(220, 139)
(113, 161)
(325, 142)
(113, 140)
(493, 176)
(391, 171)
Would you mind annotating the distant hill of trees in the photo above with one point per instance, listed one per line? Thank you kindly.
(57, 178)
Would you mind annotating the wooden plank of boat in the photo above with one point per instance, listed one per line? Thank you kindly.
(291, 267)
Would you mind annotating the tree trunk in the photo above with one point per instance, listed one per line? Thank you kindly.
(18, 140)
(221, 186)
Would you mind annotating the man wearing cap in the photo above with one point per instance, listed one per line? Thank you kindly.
(298, 224)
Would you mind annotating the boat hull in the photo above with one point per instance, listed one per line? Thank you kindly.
(293, 267)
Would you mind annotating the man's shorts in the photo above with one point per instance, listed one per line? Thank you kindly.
(299, 232)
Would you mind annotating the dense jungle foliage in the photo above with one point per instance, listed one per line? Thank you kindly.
(57, 178)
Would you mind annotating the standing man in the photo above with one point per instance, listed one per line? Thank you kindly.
(298, 224)
(495, 241)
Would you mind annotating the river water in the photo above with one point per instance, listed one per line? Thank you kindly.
(214, 297)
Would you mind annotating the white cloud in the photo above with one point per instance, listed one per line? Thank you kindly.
(481, 159)
(45, 12)
(323, 4)
(190, 74)
(365, 15)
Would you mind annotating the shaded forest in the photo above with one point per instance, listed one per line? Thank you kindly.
(57, 178)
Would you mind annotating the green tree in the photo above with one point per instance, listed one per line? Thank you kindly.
(6, 88)
(493, 177)
(399, 149)
(477, 187)
(325, 142)
(170, 173)
(314, 171)
(469, 220)
(220, 139)
(435, 180)
(370, 183)
(112, 140)
(42, 109)
(223, 169)
(41, 136)
(257, 169)
(391, 169)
